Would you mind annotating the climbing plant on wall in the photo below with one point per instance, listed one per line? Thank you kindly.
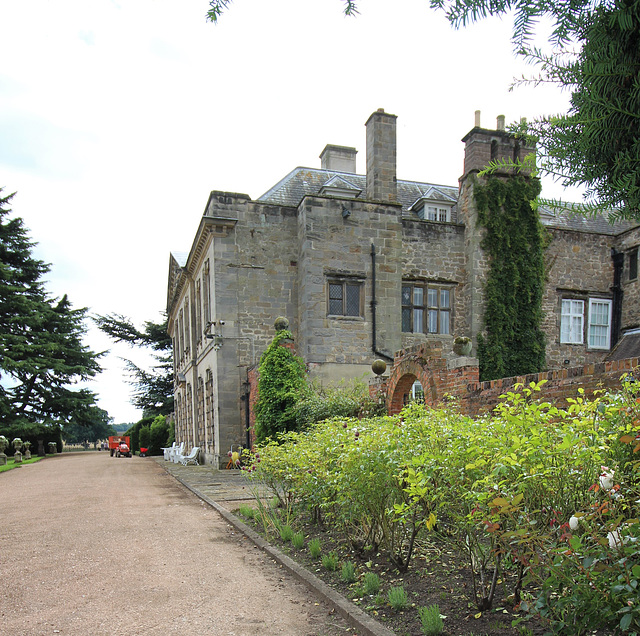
(280, 385)
(513, 342)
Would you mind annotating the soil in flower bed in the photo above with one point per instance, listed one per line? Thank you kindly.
(438, 575)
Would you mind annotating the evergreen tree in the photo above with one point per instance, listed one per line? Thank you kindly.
(41, 349)
(153, 391)
(281, 383)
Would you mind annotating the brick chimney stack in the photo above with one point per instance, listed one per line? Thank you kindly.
(381, 157)
(481, 146)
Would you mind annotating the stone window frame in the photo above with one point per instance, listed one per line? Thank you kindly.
(426, 309)
(347, 284)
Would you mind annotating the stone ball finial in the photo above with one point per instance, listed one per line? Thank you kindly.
(379, 367)
(281, 323)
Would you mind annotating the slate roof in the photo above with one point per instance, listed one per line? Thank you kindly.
(598, 224)
(301, 182)
(627, 347)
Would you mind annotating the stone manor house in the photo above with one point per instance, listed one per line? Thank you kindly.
(363, 266)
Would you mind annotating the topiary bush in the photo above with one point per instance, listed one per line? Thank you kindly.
(158, 435)
(281, 382)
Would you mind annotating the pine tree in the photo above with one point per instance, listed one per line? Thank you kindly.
(41, 350)
(153, 391)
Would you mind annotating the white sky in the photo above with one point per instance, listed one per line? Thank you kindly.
(117, 118)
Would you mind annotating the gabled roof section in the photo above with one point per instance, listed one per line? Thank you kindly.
(338, 186)
(434, 194)
(303, 182)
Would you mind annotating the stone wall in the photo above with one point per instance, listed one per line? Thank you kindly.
(578, 265)
(628, 242)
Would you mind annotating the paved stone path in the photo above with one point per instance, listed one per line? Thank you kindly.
(92, 544)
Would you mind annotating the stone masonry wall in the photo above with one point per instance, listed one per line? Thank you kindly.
(630, 288)
(334, 247)
(578, 265)
(435, 252)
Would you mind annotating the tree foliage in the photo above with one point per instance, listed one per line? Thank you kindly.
(281, 383)
(89, 427)
(153, 391)
(596, 45)
(595, 55)
(513, 343)
(217, 8)
(41, 350)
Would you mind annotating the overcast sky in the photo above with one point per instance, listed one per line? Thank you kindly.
(117, 118)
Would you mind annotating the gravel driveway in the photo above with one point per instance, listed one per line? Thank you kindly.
(92, 544)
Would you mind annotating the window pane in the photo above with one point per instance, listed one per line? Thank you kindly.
(406, 295)
(432, 212)
(633, 264)
(444, 298)
(432, 298)
(406, 319)
(335, 291)
(433, 321)
(418, 296)
(599, 324)
(444, 322)
(571, 321)
(353, 300)
(418, 315)
(442, 214)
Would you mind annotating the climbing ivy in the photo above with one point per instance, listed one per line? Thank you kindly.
(513, 342)
(280, 385)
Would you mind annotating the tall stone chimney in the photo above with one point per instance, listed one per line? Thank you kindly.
(381, 157)
(339, 158)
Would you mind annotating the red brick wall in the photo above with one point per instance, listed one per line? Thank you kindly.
(425, 363)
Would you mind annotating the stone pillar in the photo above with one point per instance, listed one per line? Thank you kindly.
(381, 157)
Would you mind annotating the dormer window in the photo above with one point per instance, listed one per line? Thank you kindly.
(436, 213)
(434, 205)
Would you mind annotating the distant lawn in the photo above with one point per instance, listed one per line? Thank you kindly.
(12, 464)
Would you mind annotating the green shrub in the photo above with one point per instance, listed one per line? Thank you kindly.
(286, 533)
(282, 380)
(247, 511)
(158, 435)
(371, 582)
(314, 548)
(431, 620)
(144, 436)
(345, 400)
(397, 598)
(348, 572)
(330, 562)
(298, 540)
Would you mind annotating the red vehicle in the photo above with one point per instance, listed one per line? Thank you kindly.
(120, 446)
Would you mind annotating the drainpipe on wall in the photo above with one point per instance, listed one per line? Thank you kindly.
(374, 302)
(616, 310)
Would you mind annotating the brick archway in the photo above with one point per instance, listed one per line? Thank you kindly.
(420, 363)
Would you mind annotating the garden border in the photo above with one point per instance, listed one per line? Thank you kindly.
(356, 617)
